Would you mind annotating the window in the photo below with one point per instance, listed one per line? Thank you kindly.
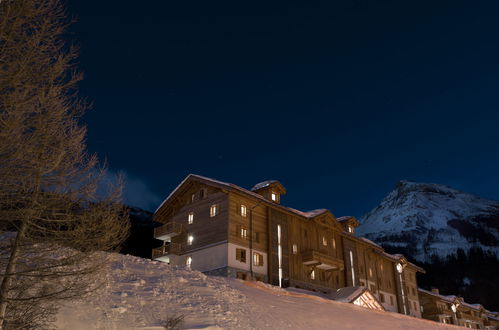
(382, 297)
(362, 283)
(243, 233)
(312, 274)
(256, 237)
(372, 287)
(295, 249)
(381, 267)
(257, 259)
(274, 196)
(243, 211)
(415, 305)
(188, 261)
(324, 241)
(190, 239)
(350, 229)
(391, 300)
(370, 272)
(241, 255)
(213, 210)
(193, 197)
(203, 193)
(334, 243)
(190, 218)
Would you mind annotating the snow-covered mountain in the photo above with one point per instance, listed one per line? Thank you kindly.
(423, 219)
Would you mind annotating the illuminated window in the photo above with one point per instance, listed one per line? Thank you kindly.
(243, 210)
(190, 218)
(350, 229)
(241, 255)
(190, 239)
(370, 272)
(312, 274)
(324, 241)
(295, 249)
(193, 197)
(188, 261)
(334, 243)
(274, 196)
(381, 267)
(213, 210)
(257, 259)
(244, 233)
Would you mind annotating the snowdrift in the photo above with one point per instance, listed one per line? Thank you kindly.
(142, 294)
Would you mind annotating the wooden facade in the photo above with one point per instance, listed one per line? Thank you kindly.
(251, 235)
(454, 310)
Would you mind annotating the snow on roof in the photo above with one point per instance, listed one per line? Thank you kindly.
(348, 294)
(309, 214)
(370, 242)
(344, 218)
(263, 184)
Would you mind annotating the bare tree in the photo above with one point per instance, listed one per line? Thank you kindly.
(52, 221)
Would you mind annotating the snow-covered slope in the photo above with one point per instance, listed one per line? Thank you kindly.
(142, 294)
(424, 219)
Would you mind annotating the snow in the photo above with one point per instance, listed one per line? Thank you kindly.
(423, 211)
(141, 294)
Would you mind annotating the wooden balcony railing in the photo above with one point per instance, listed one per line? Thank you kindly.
(321, 260)
(166, 250)
(168, 230)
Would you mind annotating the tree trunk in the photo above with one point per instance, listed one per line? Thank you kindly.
(8, 274)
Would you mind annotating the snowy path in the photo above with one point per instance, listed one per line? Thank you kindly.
(141, 294)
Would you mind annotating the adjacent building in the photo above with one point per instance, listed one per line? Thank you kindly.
(222, 229)
(454, 310)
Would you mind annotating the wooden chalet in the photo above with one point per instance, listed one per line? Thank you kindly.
(222, 229)
(454, 310)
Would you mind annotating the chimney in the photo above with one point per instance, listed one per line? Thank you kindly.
(435, 290)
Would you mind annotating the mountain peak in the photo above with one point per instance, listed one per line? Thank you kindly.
(426, 218)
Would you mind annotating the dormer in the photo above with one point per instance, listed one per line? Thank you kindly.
(348, 223)
(270, 189)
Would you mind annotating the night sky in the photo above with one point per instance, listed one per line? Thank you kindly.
(337, 100)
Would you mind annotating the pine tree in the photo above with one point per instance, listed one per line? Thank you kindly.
(53, 223)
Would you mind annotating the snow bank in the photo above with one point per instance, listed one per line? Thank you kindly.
(142, 294)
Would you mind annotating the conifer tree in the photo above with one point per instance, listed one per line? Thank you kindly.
(53, 222)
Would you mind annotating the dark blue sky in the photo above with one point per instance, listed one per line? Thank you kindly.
(337, 100)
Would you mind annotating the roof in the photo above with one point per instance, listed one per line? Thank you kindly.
(233, 187)
(348, 294)
(263, 184)
(451, 299)
(398, 257)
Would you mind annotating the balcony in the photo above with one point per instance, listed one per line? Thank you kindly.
(321, 260)
(168, 230)
(164, 252)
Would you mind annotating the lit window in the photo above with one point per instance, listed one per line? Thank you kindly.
(241, 255)
(190, 239)
(190, 218)
(213, 210)
(381, 267)
(244, 233)
(243, 210)
(295, 249)
(324, 241)
(370, 272)
(257, 259)
(273, 196)
(334, 243)
(188, 262)
(312, 274)
(193, 196)
(350, 229)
